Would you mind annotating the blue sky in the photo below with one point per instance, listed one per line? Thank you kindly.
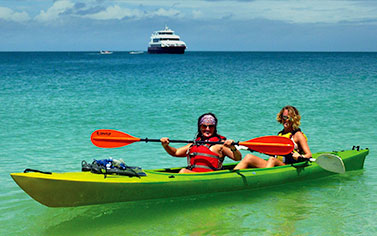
(205, 25)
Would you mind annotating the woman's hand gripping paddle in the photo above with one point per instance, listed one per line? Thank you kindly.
(270, 145)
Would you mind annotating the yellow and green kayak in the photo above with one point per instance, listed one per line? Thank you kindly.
(86, 188)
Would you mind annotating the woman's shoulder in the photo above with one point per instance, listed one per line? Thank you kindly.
(297, 131)
(299, 135)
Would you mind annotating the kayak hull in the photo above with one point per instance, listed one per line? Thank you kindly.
(85, 188)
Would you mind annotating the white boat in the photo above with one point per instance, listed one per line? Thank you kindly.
(165, 41)
(105, 52)
(136, 52)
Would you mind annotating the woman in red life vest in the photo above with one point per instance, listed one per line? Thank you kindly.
(289, 117)
(203, 157)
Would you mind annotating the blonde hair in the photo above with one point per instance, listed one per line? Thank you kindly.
(294, 116)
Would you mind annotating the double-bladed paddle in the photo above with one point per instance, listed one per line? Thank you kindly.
(270, 145)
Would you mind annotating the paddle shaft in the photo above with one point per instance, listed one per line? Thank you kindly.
(131, 140)
(183, 141)
(212, 143)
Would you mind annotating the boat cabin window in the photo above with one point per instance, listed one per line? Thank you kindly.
(168, 39)
(156, 40)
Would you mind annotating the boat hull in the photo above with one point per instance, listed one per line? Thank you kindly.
(167, 50)
(85, 188)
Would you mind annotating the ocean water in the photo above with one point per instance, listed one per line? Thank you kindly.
(51, 102)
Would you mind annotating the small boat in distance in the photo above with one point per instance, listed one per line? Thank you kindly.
(165, 41)
(136, 52)
(105, 52)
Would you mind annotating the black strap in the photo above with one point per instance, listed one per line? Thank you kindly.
(203, 167)
(204, 154)
(38, 171)
(293, 132)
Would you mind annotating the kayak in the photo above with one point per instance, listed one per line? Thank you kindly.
(86, 188)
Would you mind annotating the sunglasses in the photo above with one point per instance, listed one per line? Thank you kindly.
(207, 126)
(286, 118)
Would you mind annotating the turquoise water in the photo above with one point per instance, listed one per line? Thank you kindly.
(52, 101)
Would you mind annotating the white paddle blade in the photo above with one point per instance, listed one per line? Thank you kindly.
(331, 162)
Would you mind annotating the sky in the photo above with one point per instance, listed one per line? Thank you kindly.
(204, 25)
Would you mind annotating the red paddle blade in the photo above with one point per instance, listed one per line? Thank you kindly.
(107, 138)
(270, 145)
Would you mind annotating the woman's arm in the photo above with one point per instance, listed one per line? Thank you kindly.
(303, 145)
(231, 151)
(175, 152)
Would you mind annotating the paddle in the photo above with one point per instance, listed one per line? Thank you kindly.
(330, 162)
(270, 145)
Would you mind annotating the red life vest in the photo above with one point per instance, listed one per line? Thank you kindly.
(201, 159)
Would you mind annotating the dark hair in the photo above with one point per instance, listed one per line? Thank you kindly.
(199, 134)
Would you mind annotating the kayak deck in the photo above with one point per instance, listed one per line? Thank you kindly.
(85, 188)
